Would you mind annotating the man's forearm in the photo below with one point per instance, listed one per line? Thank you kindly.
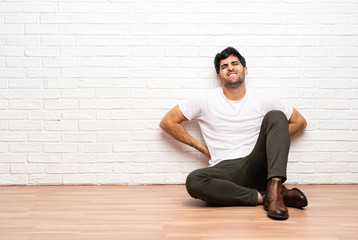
(178, 132)
(171, 123)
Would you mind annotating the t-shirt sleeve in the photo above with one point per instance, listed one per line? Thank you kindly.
(272, 102)
(191, 108)
(278, 104)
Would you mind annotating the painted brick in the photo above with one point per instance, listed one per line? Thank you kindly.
(114, 93)
(147, 178)
(42, 52)
(175, 178)
(22, 125)
(60, 104)
(13, 157)
(164, 168)
(113, 157)
(35, 179)
(333, 167)
(4, 104)
(77, 51)
(113, 137)
(56, 18)
(39, 7)
(23, 62)
(96, 83)
(13, 137)
(77, 72)
(43, 137)
(23, 41)
(58, 62)
(43, 94)
(139, 146)
(61, 169)
(44, 158)
(78, 93)
(41, 29)
(333, 147)
(12, 115)
(78, 115)
(60, 148)
(113, 115)
(13, 29)
(4, 168)
(56, 40)
(10, 7)
(130, 168)
(26, 168)
(95, 168)
(44, 115)
(78, 157)
(65, 125)
(78, 137)
(115, 179)
(95, 125)
(59, 84)
(79, 179)
(95, 147)
(315, 178)
(13, 179)
(12, 73)
(345, 178)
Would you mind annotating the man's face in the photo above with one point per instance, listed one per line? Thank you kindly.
(232, 73)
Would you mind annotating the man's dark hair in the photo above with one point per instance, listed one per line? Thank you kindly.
(225, 54)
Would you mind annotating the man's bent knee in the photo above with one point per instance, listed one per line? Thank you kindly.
(193, 184)
(276, 116)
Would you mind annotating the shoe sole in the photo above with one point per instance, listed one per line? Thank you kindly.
(277, 217)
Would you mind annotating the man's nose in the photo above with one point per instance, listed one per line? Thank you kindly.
(231, 67)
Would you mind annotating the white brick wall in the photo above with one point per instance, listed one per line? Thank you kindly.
(84, 84)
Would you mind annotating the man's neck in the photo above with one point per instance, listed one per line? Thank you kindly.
(235, 94)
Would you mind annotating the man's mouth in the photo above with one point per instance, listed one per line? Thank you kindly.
(232, 73)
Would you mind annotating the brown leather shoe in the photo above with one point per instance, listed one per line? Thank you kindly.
(274, 203)
(294, 197)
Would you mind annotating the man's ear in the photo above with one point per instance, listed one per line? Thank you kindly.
(246, 71)
(218, 77)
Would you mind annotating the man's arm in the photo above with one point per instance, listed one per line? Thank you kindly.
(296, 123)
(171, 123)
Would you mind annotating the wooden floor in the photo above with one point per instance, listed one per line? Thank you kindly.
(167, 212)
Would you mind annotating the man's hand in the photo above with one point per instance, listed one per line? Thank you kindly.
(171, 123)
(204, 150)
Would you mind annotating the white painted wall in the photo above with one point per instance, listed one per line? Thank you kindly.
(84, 84)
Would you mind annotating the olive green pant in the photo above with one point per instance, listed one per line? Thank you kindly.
(237, 181)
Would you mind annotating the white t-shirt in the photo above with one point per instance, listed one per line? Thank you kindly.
(231, 128)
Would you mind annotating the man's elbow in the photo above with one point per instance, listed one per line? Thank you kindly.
(303, 124)
(165, 124)
(162, 124)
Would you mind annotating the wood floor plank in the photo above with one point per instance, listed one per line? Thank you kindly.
(167, 212)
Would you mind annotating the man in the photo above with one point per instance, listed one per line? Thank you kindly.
(247, 136)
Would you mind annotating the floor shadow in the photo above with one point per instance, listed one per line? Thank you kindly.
(197, 203)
